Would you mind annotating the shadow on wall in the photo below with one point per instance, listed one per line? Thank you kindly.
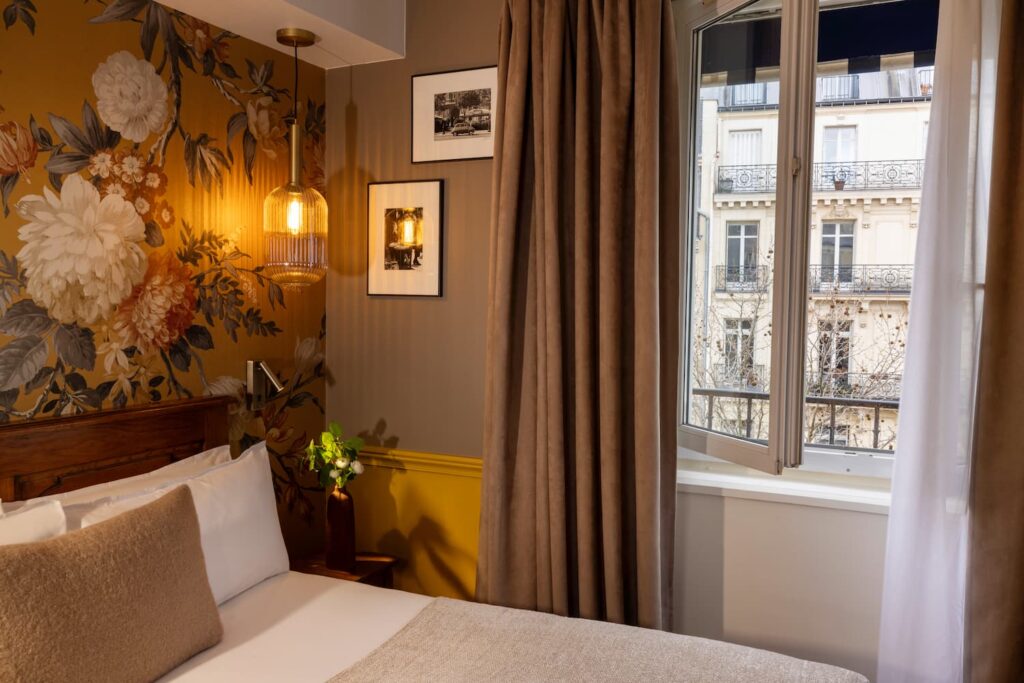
(422, 510)
(377, 436)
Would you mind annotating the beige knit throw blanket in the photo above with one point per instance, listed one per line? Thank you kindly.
(453, 640)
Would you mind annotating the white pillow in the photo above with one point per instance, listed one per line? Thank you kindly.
(176, 471)
(238, 524)
(32, 523)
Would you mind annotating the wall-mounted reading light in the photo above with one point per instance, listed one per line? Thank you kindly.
(261, 384)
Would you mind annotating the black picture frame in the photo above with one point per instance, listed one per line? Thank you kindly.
(412, 115)
(370, 224)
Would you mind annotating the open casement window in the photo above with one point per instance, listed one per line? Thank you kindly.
(802, 176)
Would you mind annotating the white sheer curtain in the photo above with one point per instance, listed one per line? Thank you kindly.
(922, 630)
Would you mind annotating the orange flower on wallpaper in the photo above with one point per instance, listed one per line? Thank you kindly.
(203, 38)
(128, 175)
(266, 125)
(163, 213)
(17, 149)
(160, 309)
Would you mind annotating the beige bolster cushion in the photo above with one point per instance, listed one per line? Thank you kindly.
(124, 600)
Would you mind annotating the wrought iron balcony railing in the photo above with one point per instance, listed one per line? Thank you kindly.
(832, 176)
(864, 279)
(740, 412)
(874, 385)
(739, 376)
(742, 278)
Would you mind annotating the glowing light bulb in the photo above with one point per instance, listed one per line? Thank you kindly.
(294, 216)
(408, 230)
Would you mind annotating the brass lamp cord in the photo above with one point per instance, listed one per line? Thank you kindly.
(295, 165)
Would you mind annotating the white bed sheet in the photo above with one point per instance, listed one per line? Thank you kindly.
(299, 627)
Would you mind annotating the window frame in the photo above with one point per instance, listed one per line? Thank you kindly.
(795, 157)
(854, 149)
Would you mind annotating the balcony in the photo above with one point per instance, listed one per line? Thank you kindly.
(900, 85)
(832, 176)
(742, 278)
(870, 385)
(743, 406)
(739, 376)
(879, 279)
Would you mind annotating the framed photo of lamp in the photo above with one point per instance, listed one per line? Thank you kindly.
(405, 238)
(453, 115)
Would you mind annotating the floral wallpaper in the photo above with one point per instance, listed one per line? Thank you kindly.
(136, 146)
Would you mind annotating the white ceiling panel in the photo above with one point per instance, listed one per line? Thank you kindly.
(348, 31)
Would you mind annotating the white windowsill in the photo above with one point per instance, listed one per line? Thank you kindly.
(839, 492)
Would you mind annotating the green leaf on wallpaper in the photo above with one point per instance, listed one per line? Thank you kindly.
(228, 70)
(70, 133)
(154, 235)
(75, 382)
(7, 398)
(199, 337)
(42, 136)
(42, 378)
(248, 152)
(75, 346)
(20, 360)
(236, 124)
(275, 294)
(25, 318)
(103, 390)
(180, 355)
(98, 135)
(120, 10)
(209, 62)
(67, 162)
(7, 183)
(150, 25)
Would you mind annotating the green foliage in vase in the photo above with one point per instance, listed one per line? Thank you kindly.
(335, 459)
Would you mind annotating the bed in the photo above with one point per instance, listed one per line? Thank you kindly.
(299, 627)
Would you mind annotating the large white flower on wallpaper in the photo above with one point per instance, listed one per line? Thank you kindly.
(81, 255)
(130, 97)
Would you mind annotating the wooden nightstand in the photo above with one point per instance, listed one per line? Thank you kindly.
(371, 568)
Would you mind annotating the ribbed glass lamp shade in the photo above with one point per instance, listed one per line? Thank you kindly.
(295, 235)
(295, 227)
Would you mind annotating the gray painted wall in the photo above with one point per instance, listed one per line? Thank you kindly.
(408, 371)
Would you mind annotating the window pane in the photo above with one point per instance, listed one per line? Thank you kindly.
(732, 227)
(866, 182)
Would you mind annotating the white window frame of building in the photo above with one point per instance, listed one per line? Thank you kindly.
(835, 349)
(741, 272)
(839, 144)
(837, 240)
(739, 346)
(797, 73)
(744, 147)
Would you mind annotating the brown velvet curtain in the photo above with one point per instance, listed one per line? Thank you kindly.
(582, 334)
(995, 595)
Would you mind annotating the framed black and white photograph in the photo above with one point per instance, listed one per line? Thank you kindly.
(453, 115)
(405, 238)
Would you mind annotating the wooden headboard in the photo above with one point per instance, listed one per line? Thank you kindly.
(40, 457)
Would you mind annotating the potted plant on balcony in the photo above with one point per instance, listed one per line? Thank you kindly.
(839, 180)
(725, 184)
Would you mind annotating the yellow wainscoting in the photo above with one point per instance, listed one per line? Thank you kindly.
(425, 509)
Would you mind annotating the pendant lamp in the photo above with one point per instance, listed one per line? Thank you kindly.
(294, 215)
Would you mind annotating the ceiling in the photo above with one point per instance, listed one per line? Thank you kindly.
(348, 31)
